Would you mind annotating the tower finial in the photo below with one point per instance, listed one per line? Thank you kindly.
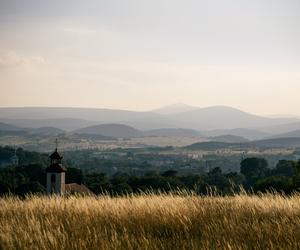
(56, 144)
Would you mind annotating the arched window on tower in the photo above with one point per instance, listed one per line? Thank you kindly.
(53, 180)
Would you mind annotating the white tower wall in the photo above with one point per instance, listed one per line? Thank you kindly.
(57, 187)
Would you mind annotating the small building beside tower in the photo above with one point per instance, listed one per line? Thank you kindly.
(56, 178)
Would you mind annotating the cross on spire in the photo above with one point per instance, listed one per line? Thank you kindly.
(56, 143)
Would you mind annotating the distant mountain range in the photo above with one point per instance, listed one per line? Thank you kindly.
(67, 124)
(295, 133)
(281, 129)
(7, 129)
(124, 131)
(174, 120)
(103, 131)
(174, 109)
(115, 131)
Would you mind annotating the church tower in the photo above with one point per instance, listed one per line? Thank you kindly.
(55, 175)
(15, 159)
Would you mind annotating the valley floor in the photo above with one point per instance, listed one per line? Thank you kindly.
(163, 221)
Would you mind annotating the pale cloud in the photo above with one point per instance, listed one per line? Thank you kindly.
(78, 30)
(12, 59)
(136, 54)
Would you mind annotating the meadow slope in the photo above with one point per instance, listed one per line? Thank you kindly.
(151, 222)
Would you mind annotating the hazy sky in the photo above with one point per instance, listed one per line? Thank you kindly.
(138, 54)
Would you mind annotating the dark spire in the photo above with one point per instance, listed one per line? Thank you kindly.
(55, 166)
(56, 156)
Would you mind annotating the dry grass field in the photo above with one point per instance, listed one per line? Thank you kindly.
(151, 222)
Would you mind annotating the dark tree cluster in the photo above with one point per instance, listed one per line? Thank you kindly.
(254, 175)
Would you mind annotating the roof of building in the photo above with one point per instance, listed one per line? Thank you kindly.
(56, 168)
(76, 188)
(55, 155)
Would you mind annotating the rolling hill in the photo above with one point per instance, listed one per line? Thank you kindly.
(293, 142)
(9, 127)
(210, 145)
(91, 137)
(210, 118)
(221, 117)
(228, 139)
(250, 134)
(281, 129)
(173, 132)
(174, 109)
(295, 133)
(46, 131)
(111, 130)
(278, 142)
(67, 124)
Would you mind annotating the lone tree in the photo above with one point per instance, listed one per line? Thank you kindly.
(254, 169)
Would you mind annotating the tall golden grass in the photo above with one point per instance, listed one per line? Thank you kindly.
(151, 221)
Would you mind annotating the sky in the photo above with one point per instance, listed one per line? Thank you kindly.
(140, 55)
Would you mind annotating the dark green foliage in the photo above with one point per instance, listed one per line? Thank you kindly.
(74, 175)
(254, 169)
(274, 183)
(170, 173)
(97, 182)
(22, 179)
(285, 168)
(30, 187)
(133, 173)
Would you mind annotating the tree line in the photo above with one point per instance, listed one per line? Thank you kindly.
(255, 175)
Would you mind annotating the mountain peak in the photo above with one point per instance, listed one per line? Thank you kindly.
(174, 108)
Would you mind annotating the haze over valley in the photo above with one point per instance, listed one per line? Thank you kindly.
(173, 125)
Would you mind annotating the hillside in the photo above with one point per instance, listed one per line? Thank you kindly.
(295, 133)
(210, 145)
(47, 131)
(9, 127)
(92, 137)
(67, 124)
(278, 142)
(228, 139)
(174, 109)
(250, 134)
(220, 117)
(173, 132)
(70, 117)
(268, 143)
(281, 129)
(111, 130)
